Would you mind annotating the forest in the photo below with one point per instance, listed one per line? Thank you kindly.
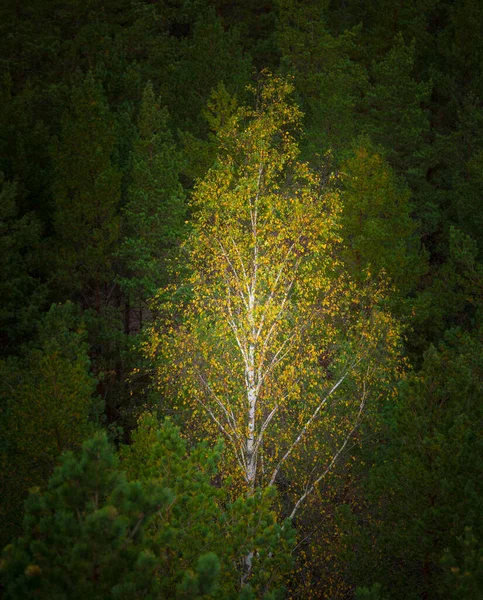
(241, 299)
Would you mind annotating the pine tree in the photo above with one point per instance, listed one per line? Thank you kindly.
(452, 297)
(94, 531)
(21, 290)
(207, 56)
(46, 407)
(377, 227)
(329, 73)
(87, 196)
(424, 483)
(458, 177)
(207, 515)
(154, 213)
(83, 536)
(396, 118)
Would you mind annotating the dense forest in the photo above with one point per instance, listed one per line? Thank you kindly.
(241, 350)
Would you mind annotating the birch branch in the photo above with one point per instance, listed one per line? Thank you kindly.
(238, 453)
(264, 427)
(226, 256)
(335, 458)
(305, 427)
(228, 414)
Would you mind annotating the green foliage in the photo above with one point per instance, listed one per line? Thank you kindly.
(425, 482)
(396, 118)
(452, 297)
(21, 291)
(24, 143)
(206, 57)
(86, 195)
(329, 78)
(372, 593)
(153, 215)
(203, 515)
(87, 222)
(200, 154)
(94, 532)
(46, 405)
(92, 208)
(464, 567)
(458, 175)
(84, 535)
(377, 227)
(256, 21)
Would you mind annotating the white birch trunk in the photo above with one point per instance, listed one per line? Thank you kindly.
(251, 454)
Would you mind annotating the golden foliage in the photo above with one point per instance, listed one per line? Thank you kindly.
(278, 348)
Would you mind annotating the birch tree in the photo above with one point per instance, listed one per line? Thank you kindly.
(277, 348)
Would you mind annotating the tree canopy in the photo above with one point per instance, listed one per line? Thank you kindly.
(261, 221)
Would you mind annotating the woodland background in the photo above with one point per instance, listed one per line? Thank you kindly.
(112, 114)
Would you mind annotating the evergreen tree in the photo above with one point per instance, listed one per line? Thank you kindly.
(377, 227)
(86, 196)
(83, 536)
(425, 482)
(24, 143)
(200, 153)
(256, 21)
(396, 118)
(21, 291)
(153, 215)
(207, 515)
(458, 178)
(207, 56)
(452, 296)
(463, 565)
(329, 74)
(95, 532)
(46, 407)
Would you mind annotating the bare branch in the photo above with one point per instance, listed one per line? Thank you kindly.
(334, 460)
(305, 427)
(240, 456)
(226, 256)
(228, 413)
(264, 426)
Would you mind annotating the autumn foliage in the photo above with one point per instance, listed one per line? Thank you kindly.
(277, 349)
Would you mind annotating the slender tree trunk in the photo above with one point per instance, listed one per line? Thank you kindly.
(251, 470)
(251, 454)
(251, 451)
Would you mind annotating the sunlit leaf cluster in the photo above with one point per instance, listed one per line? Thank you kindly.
(278, 349)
